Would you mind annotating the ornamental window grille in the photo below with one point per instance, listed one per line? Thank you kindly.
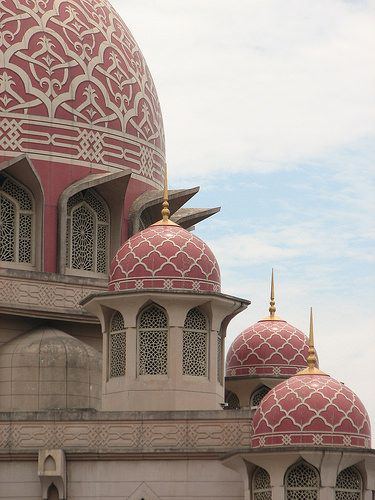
(87, 233)
(195, 344)
(153, 342)
(349, 485)
(232, 401)
(17, 222)
(117, 346)
(258, 395)
(220, 350)
(302, 482)
(261, 485)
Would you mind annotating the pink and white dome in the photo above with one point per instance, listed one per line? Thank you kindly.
(311, 410)
(75, 89)
(165, 257)
(269, 348)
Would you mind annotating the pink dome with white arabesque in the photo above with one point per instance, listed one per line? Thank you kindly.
(76, 90)
(311, 410)
(269, 348)
(165, 257)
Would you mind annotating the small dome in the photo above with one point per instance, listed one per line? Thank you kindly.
(311, 410)
(270, 348)
(48, 369)
(165, 257)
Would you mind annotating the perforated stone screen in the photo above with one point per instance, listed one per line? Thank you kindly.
(262, 485)
(117, 346)
(220, 350)
(87, 233)
(348, 485)
(195, 344)
(302, 482)
(16, 222)
(153, 342)
(258, 395)
(232, 401)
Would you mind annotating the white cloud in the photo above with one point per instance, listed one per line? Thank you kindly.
(261, 84)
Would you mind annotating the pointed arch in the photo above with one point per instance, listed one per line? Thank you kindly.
(17, 223)
(349, 484)
(195, 344)
(87, 234)
(257, 396)
(261, 485)
(302, 482)
(53, 493)
(153, 333)
(117, 346)
(232, 401)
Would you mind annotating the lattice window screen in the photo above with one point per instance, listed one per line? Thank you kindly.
(302, 482)
(153, 342)
(349, 485)
(17, 237)
(232, 401)
(87, 233)
(117, 346)
(195, 344)
(261, 485)
(258, 395)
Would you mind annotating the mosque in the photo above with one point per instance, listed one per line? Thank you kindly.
(114, 383)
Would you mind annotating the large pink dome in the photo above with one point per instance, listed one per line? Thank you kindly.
(165, 257)
(269, 348)
(311, 410)
(75, 89)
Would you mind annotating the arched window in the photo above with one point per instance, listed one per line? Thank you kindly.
(258, 395)
(17, 238)
(220, 350)
(87, 233)
(232, 401)
(195, 344)
(52, 494)
(153, 342)
(117, 346)
(302, 482)
(348, 485)
(261, 485)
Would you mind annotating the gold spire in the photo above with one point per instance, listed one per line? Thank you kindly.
(312, 360)
(272, 308)
(165, 221)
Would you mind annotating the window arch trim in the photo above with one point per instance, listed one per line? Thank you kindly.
(21, 170)
(153, 341)
(117, 337)
(195, 344)
(302, 485)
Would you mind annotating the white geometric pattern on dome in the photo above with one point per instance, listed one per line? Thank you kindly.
(153, 342)
(348, 485)
(302, 482)
(261, 485)
(281, 341)
(195, 344)
(145, 260)
(117, 346)
(73, 66)
(87, 239)
(16, 222)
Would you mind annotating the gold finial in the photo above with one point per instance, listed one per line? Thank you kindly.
(312, 360)
(272, 308)
(165, 221)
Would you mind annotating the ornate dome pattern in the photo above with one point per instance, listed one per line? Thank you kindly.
(311, 410)
(74, 86)
(165, 258)
(267, 349)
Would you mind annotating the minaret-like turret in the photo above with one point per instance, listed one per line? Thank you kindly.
(164, 322)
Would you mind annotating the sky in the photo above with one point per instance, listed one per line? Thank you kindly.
(269, 106)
